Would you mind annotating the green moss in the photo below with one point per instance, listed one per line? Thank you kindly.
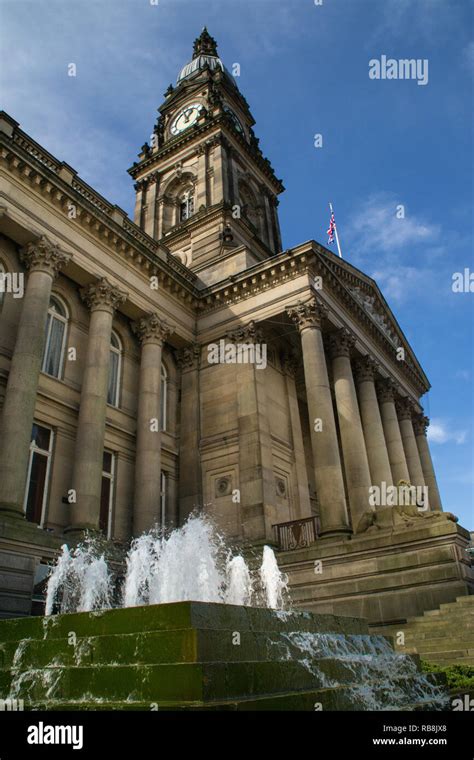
(458, 677)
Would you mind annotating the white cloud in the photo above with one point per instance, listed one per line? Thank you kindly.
(468, 56)
(377, 224)
(441, 431)
(463, 374)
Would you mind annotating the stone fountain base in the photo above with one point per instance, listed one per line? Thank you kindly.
(194, 655)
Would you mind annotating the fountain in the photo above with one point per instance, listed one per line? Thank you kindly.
(192, 563)
(195, 627)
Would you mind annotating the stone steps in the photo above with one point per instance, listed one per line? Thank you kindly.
(445, 635)
(177, 615)
(161, 647)
(190, 681)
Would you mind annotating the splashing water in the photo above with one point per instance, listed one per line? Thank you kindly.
(190, 564)
(274, 583)
(240, 586)
(80, 582)
(378, 678)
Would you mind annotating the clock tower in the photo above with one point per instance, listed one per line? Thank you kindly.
(203, 186)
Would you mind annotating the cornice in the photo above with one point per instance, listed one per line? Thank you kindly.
(59, 184)
(198, 132)
(290, 264)
(109, 224)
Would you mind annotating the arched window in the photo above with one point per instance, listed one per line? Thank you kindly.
(248, 204)
(115, 369)
(163, 397)
(186, 205)
(55, 343)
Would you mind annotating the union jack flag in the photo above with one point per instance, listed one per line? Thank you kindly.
(332, 229)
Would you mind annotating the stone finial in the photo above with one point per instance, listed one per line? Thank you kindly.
(152, 329)
(341, 343)
(45, 256)
(421, 424)
(307, 314)
(204, 44)
(102, 295)
(366, 368)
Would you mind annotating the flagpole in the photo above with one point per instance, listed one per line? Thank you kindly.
(337, 236)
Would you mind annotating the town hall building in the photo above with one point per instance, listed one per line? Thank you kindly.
(184, 361)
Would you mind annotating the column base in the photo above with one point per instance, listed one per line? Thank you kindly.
(338, 531)
(76, 533)
(12, 510)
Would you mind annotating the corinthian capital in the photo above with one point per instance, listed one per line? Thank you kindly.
(386, 389)
(341, 342)
(152, 329)
(307, 314)
(420, 424)
(365, 369)
(405, 408)
(249, 333)
(44, 256)
(102, 295)
(188, 357)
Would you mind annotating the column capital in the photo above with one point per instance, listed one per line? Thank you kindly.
(307, 314)
(290, 363)
(152, 329)
(421, 424)
(405, 408)
(366, 369)
(341, 342)
(386, 389)
(44, 256)
(188, 357)
(102, 296)
(249, 333)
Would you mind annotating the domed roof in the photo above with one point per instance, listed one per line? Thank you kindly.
(199, 63)
(204, 55)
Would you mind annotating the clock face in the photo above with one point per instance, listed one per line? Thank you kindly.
(185, 118)
(235, 121)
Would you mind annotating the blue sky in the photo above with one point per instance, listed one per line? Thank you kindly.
(304, 71)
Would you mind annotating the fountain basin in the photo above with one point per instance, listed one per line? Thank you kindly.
(199, 655)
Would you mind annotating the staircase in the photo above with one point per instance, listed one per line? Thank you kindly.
(193, 655)
(444, 636)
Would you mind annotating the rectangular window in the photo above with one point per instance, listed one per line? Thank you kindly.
(38, 474)
(107, 493)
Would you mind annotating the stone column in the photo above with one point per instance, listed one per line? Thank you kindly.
(405, 411)
(377, 454)
(190, 477)
(356, 463)
(420, 424)
(102, 298)
(391, 429)
(43, 260)
(256, 468)
(152, 332)
(304, 505)
(327, 463)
